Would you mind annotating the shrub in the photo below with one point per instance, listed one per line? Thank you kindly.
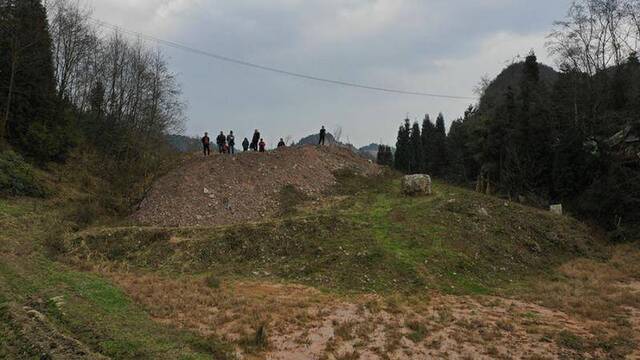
(17, 177)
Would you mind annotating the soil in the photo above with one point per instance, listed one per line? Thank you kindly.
(232, 189)
(304, 323)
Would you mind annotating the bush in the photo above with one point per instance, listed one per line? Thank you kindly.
(17, 177)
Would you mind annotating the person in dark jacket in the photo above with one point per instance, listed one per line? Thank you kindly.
(221, 140)
(245, 145)
(281, 143)
(206, 147)
(262, 145)
(323, 134)
(255, 140)
(231, 141)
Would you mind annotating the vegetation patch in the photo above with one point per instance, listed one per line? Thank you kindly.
(17, 177)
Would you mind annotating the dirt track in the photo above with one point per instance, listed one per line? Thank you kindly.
(224, 189)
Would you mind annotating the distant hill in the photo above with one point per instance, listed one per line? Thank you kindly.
(512, 76)
(315, 138)
(370, 151)
(184, 143)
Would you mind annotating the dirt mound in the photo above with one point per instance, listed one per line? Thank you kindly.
(225, 189)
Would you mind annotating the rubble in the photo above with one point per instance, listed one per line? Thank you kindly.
(225, 189)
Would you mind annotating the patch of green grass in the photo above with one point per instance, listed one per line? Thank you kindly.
(570, 340)
(418, 331)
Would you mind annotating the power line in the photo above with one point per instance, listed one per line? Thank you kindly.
(219, 57)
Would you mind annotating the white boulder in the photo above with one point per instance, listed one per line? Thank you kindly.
(419, 184)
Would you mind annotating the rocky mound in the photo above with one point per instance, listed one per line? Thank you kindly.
(225, 189)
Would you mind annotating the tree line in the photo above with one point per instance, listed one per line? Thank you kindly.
(541, 136)
(65, 87)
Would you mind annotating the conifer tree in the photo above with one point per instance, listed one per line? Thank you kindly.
(32, 116)
(428, 131)
(439, 155)
(403, 148)
(417, 158)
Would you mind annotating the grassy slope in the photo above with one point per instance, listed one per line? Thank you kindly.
(366, 237)
(77, 304)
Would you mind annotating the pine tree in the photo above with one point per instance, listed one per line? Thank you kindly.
(417, 165)
(34, 119)
(439, 156)
(428, 131)
(403, 148)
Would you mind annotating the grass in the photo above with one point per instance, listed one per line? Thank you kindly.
(371, 238)
(368, 237)
(78, 304)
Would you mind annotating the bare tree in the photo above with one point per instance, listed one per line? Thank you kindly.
(73, 40)
(596, 34)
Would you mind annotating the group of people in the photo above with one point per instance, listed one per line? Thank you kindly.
(226, 144)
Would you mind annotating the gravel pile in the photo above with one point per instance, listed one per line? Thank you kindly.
(223, 189)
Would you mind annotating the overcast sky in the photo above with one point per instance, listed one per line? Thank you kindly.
(436, 46)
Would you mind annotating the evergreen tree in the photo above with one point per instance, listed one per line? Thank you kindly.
(439, 152)
(428, 133)
(403, 157)
(385, 155)
(417, 149)
(34, 119)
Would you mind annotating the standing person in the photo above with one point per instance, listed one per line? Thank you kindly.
(245, 145)
(281, 143)
(262, 145)
(255, 140)
(323, 134)
(221, 140)
(231, 141)
(206, 147)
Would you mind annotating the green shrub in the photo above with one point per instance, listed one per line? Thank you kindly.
(17, 177)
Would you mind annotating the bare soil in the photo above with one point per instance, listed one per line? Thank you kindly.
(304, 323)
(232, 189)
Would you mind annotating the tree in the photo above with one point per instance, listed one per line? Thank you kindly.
(428, 133)
(439, 149)
(385, 155)
(34, 120)
(417, 165)
(404, 155)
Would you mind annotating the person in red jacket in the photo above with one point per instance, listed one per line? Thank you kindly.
(262, 145)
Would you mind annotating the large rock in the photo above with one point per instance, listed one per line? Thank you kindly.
(415, 185)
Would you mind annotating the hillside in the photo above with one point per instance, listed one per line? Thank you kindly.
(511, 76)
(347, 267)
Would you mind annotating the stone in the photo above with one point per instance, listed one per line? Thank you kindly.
(556, 209)
(414, 185)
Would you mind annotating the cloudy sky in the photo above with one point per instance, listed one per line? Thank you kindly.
(435, 46)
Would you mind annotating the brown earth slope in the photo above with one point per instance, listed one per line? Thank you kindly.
(225, 189)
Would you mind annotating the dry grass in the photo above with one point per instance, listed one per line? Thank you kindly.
(284, 320)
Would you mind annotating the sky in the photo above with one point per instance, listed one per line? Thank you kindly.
(434, 46)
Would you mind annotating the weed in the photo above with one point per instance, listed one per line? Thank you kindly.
(212, 282)
(570, 340)
(418, 331)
